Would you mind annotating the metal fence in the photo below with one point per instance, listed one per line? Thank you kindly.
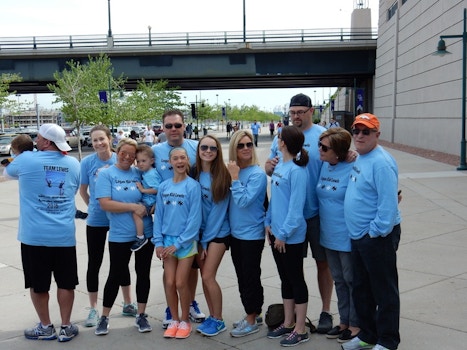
(187, 39)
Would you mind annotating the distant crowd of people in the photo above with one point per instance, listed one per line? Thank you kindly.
(182, 201)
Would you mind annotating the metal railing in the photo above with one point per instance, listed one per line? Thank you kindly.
(187, 39)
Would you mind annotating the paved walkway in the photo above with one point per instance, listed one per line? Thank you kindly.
(432, 270)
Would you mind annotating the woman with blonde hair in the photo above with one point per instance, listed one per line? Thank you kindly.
(246, 215)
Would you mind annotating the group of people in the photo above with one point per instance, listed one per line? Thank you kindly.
(180, 200)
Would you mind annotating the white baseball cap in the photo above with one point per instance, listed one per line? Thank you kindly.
(56, 134)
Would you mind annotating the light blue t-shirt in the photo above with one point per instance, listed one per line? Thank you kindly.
(215, 222)
(331, 188)
(178, 212)
(151, 179)
(48, 182)
(161, 155)
(246, 210)
(371, 204)
(255, 127)
(90, 167)
(120, 185)
(314, 166)
(285, 211)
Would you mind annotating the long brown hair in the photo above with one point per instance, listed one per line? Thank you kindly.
(220, 176)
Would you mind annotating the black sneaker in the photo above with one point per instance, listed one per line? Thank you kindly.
(102, 326)
(334, 333)
(346, 336)
(138, 244)
(325, 323)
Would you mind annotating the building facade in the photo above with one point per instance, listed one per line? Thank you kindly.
(417, 95)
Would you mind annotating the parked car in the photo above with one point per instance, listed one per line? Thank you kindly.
(5, 143)
(72, 138)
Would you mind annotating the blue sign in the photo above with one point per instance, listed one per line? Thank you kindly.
(360, 97)
(332, 105)
(103, 96)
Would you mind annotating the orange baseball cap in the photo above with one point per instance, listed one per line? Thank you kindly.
(367, 119)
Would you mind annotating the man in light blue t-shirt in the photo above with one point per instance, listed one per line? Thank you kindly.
(48, 182)
(255, 130)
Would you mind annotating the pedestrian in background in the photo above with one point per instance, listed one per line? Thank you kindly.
(48, 183)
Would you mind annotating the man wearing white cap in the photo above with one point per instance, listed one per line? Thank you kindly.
(48, 182)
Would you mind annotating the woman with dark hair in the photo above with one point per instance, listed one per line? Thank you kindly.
(285, 227)
(215, 180)
(246, 216)
(97, 223)
(334, 145)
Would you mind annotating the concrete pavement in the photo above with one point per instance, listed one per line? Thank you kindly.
(432, 270)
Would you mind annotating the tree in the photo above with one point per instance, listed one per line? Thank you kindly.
(150, 99)
(77, 88)
(5, 80)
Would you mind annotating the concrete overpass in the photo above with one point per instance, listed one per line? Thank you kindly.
(202, 61)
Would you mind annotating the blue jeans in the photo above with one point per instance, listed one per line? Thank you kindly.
(376, 288)
(340, 264)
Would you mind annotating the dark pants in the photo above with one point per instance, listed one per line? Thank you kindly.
(119, 273)
(95, 238)
(376, 288)
(246, 257)
(255, 139)
(290, 269)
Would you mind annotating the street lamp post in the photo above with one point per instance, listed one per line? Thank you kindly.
(442, 51)
(244, 22)
(110, 27)
(150, 41)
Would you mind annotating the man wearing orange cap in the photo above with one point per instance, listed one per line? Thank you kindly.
(373, 220)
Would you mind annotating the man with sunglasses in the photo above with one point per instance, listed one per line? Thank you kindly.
(373, 220)
(301, 115)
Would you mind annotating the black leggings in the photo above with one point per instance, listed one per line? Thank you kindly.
(119, 273)
(95, 237)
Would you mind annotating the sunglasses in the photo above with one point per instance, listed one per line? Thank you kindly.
(126, 154)
(323, 147)
(205, 148)
(242, 145)
(170, 126)
(365, 132)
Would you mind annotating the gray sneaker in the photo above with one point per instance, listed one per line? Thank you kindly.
(39, 333)
(102, 326)
(68, 332)
(244, 329)
(93, 318)
(259, 321)
(356, 344)
(294, 339)
(129, 310)
(142, 323)
(280, 332)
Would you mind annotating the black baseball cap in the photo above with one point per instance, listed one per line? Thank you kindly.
(300, 100)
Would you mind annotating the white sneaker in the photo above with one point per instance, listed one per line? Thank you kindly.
(195, 313)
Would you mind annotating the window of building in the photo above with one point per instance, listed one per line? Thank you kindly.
(392, 10)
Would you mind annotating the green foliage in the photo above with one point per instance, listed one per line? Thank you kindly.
(149, 101)
(5, 80)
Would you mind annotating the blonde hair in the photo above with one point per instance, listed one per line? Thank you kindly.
(235, 139)
(126, 141)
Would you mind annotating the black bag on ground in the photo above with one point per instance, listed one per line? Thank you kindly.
(274, 315)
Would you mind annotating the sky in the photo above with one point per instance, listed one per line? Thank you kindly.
(28, 18)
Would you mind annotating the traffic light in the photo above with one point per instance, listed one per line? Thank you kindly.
(193, 111)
